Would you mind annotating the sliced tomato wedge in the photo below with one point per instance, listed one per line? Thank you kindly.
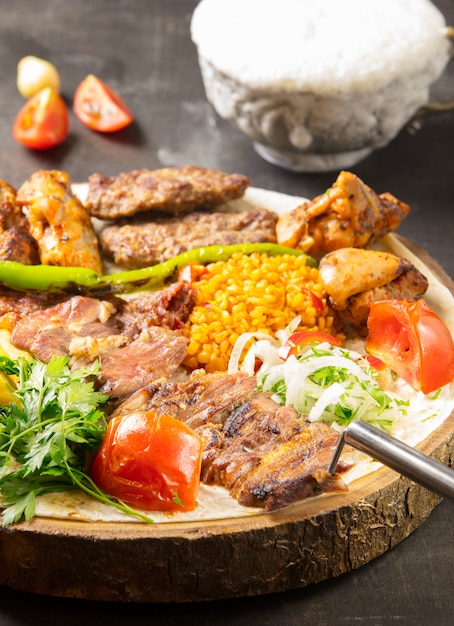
(413, 341)
(149, 461)
(376, 363)
(97, 106)
(43, 121)
(317, 303)
(302, 338)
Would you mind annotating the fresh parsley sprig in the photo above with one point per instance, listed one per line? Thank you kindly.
(48, 434)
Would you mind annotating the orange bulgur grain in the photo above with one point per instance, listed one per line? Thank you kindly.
(251, 293)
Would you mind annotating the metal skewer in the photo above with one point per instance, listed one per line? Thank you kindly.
(398, 456)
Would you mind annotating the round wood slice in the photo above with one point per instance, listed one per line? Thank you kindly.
(304, 544)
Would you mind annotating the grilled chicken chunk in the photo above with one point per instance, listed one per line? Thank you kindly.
(58, 221)
(10, 212)
(354, 278)
(142, 243)
(172, 190)
(349, 214)
(16, 243)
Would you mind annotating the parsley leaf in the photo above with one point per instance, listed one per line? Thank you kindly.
(49, 433)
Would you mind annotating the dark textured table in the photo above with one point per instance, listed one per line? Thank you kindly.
(143, 49)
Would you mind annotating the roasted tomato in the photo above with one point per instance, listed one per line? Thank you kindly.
(413, 341)
(99, 107)
(43, 121)
(302, 338)
(149, 461)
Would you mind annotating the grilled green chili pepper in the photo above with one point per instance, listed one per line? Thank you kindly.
(46, 277)
(79, 280)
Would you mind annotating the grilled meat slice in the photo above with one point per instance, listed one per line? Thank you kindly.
(50, 331)
(354, 278)
(156, 354)
(172, 190)
(131, 354)
(291, 471)
(16, 243)
(349, 214)
(144, 243)
(256, 423)
(245, 436)
(15, 305)
(58, 221)
(201, 399)
(269, 457)
(169, 307)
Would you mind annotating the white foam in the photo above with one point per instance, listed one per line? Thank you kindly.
(324, 46)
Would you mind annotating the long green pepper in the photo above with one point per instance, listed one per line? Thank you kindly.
(80, 280)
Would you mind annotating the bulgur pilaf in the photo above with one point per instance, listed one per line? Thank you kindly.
(256, 293)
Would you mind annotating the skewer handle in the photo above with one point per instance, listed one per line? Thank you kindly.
(398, 456)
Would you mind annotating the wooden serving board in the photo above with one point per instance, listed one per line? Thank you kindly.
(180, 562)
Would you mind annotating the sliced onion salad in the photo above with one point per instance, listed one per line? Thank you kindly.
(324, 382)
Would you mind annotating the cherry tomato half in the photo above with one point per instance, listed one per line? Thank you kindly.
(149, 461)
(303, 338)
(43, 121)
(99, 107)
(413, 341)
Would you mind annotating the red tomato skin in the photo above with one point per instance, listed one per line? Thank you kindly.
(149, 461)
(376, 363)
(98, 107)
(43, 121)
(317, 303)
(413, 341)
(302, 338)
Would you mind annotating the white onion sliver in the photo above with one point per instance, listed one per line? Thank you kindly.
(331, 395)
(339, 362)
(238, 348)
(284, 334)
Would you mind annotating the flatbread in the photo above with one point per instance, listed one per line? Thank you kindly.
(214, 502)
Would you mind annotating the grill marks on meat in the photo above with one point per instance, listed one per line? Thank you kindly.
(16, 243)
(292, 471)
(268, 457)
(202, 399)
(264, 454)
(172, 190)
(144, 243)
(132, 339)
